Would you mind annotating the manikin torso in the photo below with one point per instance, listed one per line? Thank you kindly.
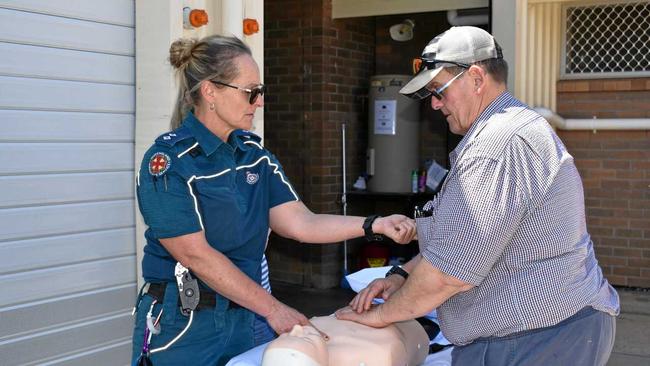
(350, 344)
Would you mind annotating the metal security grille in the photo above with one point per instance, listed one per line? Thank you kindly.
(606, 40)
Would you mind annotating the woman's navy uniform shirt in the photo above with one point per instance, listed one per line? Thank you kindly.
(190, 180)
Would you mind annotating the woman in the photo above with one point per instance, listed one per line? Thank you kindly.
(209, 192)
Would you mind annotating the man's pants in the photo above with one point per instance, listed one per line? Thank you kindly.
(586, 338)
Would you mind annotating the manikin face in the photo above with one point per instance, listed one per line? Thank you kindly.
(350, 344)
(303, 346)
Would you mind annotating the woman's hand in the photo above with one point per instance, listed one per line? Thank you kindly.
(398, 228)
(282, 318)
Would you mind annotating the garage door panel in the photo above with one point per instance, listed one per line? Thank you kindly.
(60, 250)
(27, 158)
(52, 31)
(65, 219)
(65, 126)
(53, 63)
(114, 11)
(45, 315)
(57, 281)
(56, 95)
(66, 340)
(108, 355)
(50, 189)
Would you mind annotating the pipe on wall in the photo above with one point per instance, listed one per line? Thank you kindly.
(456, 19)
(593, 124)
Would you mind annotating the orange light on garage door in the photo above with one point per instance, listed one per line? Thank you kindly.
(251, 26)
(198, 17)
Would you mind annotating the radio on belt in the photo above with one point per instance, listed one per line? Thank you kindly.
(188, 289)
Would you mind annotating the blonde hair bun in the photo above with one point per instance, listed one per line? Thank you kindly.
(180, 51)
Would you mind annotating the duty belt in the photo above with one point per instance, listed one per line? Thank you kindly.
(207, 299)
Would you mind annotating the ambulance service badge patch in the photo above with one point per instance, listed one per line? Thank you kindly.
(159, 164)
(251, 178)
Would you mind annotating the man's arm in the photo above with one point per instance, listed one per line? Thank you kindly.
(426, 288)
(295, 221)
(382, 287)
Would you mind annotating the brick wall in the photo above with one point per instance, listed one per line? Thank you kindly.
(615, 168)
(318, 71)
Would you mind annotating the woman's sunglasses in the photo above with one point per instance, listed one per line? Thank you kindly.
(253, 92)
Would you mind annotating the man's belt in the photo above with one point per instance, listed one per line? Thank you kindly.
(207, 299)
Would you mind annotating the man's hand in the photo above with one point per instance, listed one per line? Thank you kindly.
(398, 228)
(282, 318)
(381, 287)
(370, 318)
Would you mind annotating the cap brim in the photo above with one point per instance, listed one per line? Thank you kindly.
(413, 89)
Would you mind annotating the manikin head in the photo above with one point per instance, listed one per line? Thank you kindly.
(302, 346)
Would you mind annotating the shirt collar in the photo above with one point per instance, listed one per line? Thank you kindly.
(503, 100)
(237, 139)
(208, 141)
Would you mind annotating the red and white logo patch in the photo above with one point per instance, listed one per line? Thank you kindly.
(159, 164)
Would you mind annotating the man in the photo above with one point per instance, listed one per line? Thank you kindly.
(505, 255)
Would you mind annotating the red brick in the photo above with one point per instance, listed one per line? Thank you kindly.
(625, 252)
(639, 243)
(626, 271)
(617, 280)
(640, 224)
(639, 262)
(613, 261)
(613, 242)
(638, 282)
(628, 233)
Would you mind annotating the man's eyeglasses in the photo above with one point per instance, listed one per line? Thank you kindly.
(253, 92)
(437, 93)
(420, 64)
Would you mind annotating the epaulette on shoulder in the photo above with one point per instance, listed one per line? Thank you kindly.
(246, 135)
(173, 137)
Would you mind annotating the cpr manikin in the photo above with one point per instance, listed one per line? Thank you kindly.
(349, 344)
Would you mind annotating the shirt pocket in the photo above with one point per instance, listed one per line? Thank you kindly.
(425, 230)
(220, 214)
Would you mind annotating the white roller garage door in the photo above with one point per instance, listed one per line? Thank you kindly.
(67, 237)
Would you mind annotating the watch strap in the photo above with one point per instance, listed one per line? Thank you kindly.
(367, 229)
(398, 271)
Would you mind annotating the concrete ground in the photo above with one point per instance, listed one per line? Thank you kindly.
(631, 348)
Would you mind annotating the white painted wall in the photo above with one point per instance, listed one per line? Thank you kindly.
(67, 233)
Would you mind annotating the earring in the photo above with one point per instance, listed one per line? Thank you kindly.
(211, 106)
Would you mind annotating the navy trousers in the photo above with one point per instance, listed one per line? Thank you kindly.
(213, 338)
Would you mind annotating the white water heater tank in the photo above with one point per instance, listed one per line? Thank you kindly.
(393, 135)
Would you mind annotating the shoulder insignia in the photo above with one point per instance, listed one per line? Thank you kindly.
(171, 138)
(159, 164)
(246, 135)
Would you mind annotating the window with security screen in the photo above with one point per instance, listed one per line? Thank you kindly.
(606, 40)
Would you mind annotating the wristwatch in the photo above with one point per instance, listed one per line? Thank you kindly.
(367, 229)
(398, 271)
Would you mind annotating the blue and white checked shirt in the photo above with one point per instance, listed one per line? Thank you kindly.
(510, 219)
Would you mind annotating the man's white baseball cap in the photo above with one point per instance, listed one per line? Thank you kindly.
(457, 46)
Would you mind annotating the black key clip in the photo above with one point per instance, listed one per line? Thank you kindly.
(188, 289)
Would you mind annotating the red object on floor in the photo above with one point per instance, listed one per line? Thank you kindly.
(374, 254)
